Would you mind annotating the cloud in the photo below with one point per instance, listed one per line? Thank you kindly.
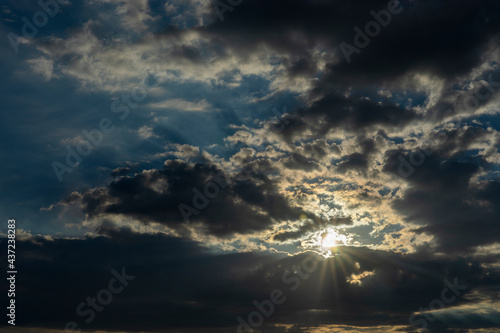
(182, 105)
(134, 15)
(235, 204)
(186, 278)
(42, 66)
(424, 91)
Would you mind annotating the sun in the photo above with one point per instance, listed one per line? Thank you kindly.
(327, 241)
(330, 239)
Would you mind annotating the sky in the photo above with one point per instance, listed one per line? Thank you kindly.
(251, 166)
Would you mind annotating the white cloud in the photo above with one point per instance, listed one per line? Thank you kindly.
(182, 105)
(133, 14)
(42, 66)
(185, 12)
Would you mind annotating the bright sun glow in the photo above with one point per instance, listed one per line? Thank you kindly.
(327, 241)
(330, 239)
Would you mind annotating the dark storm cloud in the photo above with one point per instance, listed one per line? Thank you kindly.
(459, 216)
(353, 113)
(178, 282)
(245, 202)
(301, 67)
(444, 198)
(359, 160)
(190, 53)
(444, 38)
(297, 161)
